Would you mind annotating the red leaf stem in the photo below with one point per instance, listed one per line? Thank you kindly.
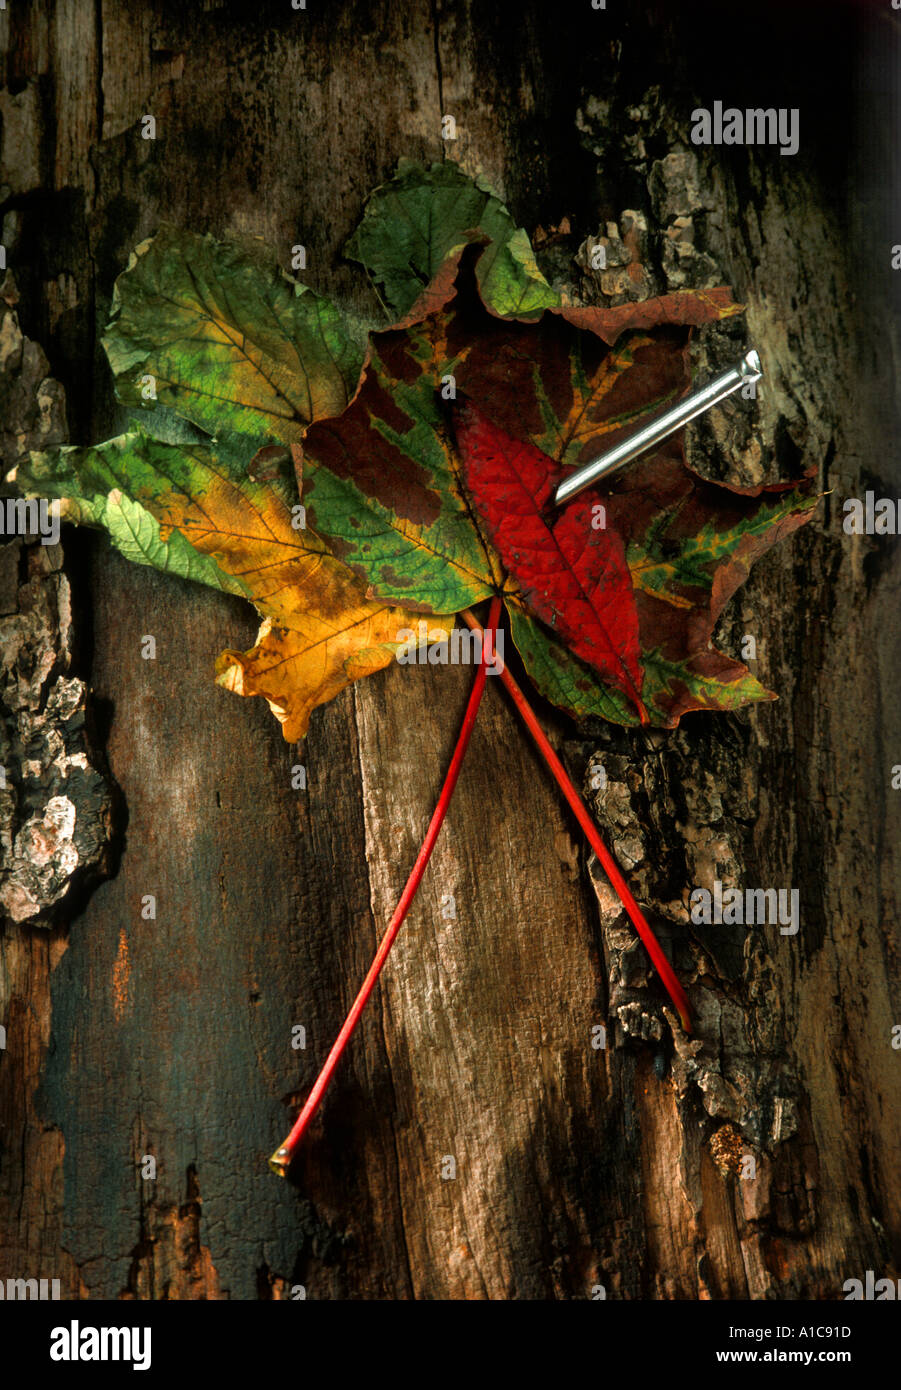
(281, 1159)
(611, 868)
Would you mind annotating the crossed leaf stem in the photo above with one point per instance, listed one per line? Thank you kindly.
(281, 1160)
(583, 816)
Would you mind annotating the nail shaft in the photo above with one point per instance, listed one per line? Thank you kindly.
(695, 403)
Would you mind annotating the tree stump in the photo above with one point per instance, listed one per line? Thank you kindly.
(755, 1159)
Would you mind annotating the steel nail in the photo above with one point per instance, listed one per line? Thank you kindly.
(695, 403)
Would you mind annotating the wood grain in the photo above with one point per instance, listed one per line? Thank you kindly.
(172, 1037)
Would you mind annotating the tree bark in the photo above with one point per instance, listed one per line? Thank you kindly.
(757, 1158)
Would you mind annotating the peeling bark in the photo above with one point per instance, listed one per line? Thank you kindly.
(170, 1261)
(55, 800)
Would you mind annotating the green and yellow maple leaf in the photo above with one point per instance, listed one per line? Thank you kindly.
(217, 332)
(186, 514)
(414, 223)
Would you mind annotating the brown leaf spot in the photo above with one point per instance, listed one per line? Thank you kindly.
(353, 448)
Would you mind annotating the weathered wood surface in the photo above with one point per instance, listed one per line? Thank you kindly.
(172, 1037)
